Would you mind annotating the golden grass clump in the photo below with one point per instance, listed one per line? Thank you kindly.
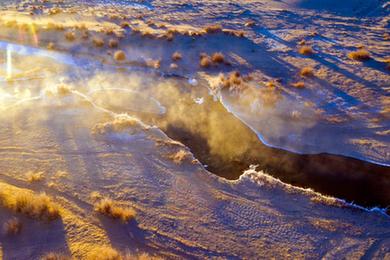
(120, 55)
(306, 50)
(205, 61)
(177, 56)
(113, 43)
(55, 256)
(125, 24)
(37, 206)
(70, 36)
(119, 124)
(359, 55)
(218, 57)
(104, 253)
(307, 72)
(98, 42)
(64, 90)
(13, 226)
(179, 157)
(299, 84)
(213, 28)
(33, 177)
(109, 208)
(50, 46)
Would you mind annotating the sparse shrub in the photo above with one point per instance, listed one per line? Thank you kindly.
(113, 43)
(299, 84)
(360, 55)
(37, 206)
(98, 42)
(218, 57)
(35, 176)
(307, 72)
(109, 208)
(70, 36)
(119, 55)
(13, 226)
(177, 56)
(213, 28)
(306, 50)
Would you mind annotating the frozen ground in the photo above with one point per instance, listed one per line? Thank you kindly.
(69, 112)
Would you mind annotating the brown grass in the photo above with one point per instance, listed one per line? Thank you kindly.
(50, 46)
(218, 57)
(104, 253)
(205, 61)
(37, 206)
(35, 176)
(307, 72)
(13, 226)
(177, 56)
(55, 256)
(213, 28)
(359, 55)
(98, 42)
(299, 84)
(120, 55)
(70, 36)
(179, 157)
(125, 24)
(109, 208)
(306, 50)
(113, 43)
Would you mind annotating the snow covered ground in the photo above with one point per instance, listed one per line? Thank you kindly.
(75, 112)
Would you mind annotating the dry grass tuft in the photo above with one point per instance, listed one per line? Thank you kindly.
(35, 176)
(218, 57)
(120, 55)
(98, 42)
(113, 43)
(307, 72)
(306, 50)
(125, 24)
(179, 157)
(37, 206)
(13, 226)
(177, 56)
(250, 24)
(205, 61)
(109, 208)
(70, 36)
(104, 253)
(55, 256)
(50, 46)
(213, 28)
(359, 55)
(299, 84)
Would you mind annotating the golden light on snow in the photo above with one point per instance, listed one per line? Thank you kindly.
(34, 34)
(9, 62)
